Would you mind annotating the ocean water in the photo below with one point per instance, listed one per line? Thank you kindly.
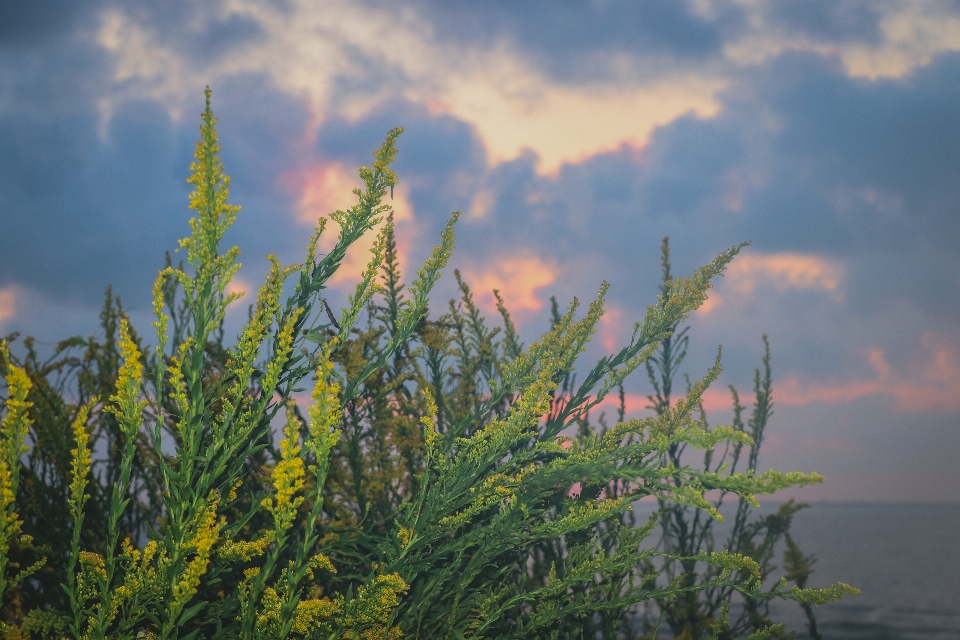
(905, 558)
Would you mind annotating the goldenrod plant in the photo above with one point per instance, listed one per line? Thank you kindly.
(441, 482)
(685, 531)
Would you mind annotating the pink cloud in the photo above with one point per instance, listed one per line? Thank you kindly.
(716, 398)
(931, 381)
(611, 324)
(323, 187)
(241, 286)
(712, 303)
(782, 271)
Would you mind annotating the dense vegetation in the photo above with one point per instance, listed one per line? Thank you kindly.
(446, 481)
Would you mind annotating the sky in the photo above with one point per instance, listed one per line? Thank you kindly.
(573, 136)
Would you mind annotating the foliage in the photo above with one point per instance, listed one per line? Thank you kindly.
(685, 531)
(428, 492)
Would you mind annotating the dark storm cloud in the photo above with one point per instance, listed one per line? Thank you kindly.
(34, 23)
(868, 172)
(899, 137)
(85, 202)
(81, 212)
(574, 40)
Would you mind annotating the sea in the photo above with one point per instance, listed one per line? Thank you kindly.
(905, 558)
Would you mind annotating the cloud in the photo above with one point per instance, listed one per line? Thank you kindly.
(517, 278)
(781, 271)
(481, 203)
(573, 138)
(784, 271)
(637, 405)
(321, 52)
(514, 109)
(931, 383)
(82, 211)
(575, 42)
(871, 40)
(240, 286)
(31, 23)
(324, 187)
(611, 328)
(8, 303)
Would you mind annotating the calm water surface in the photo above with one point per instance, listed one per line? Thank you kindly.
(904, 557)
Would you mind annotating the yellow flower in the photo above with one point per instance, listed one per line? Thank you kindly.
(287, 476)
(325, 412)
(239, 550)
(128, 410)
(205, 537)
(311, 613)
(80, 460)
(13, 431)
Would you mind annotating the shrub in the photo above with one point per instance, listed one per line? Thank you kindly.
(426, 493)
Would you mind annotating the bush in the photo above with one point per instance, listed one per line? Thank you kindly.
(427, 493)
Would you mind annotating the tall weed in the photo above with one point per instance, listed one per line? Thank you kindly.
(428, 490)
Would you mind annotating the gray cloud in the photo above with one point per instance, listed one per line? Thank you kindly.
(826, 21)
(33, 24)
(86, 205)
(574, 41)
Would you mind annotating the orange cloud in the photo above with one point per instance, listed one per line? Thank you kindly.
(481, 204)
(932, 381)
(242, 286)
(512, 103)
(514, 108)
(324, 187)
(8, 306)
(517, 279)
(239, 285)
(713, 301)
(784, 271)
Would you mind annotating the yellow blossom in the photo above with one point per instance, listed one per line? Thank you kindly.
(326, 410)
(240, 550)
(287, 477)
(126, 407)
(205, 537)
(80, 461)
(13, 431)
(312, 613)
